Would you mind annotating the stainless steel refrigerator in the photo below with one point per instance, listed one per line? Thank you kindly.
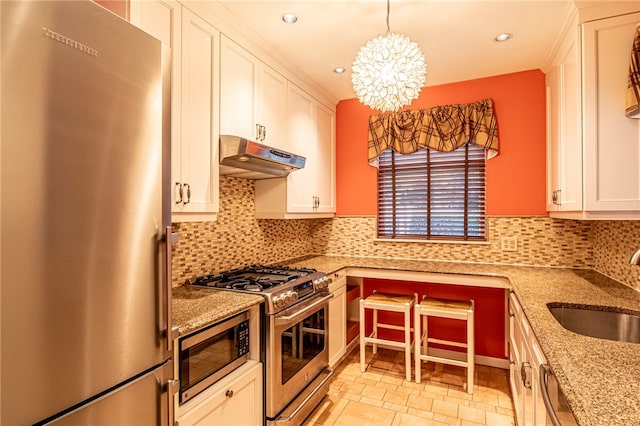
(85, 294)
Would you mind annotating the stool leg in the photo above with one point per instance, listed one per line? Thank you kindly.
(362, 344)
(470, 353)
(417, 341)
(407, 341)
(375, 330)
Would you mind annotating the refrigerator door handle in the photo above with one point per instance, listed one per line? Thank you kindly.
(171, 238)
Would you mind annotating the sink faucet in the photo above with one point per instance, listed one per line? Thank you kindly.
(635, 258)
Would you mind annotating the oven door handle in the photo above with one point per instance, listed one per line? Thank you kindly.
(286, 319)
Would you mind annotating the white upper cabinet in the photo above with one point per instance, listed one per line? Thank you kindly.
(309, 192)
(564, 143)
(194, 102)
(593, 149)
(199, 165)
(611, 140)
(252, 96)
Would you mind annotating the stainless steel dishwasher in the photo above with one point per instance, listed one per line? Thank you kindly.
(558, 412)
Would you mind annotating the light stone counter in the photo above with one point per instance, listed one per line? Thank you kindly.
(600, 378)
(194, 308)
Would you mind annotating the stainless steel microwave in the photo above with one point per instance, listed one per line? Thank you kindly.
(209, 354)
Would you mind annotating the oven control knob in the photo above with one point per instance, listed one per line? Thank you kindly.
(322, 283)
(294, 296)
(287, 297)
(278, 301)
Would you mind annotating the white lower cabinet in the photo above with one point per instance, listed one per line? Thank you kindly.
(525, 357)
(338, 318)
(234, 400)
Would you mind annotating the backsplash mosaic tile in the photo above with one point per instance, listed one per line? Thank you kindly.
(239, 239)
(614, 243)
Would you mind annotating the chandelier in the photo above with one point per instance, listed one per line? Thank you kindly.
(389, 71)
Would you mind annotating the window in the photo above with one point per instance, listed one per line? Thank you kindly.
(432, 195)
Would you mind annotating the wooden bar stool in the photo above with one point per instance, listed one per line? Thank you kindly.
(453, 309)
(391, 303)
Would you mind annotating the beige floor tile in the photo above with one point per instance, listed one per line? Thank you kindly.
(495, 419)
(399, 396)
(395, 407)
(382, 396)
(372, 401)
(357, 413)
(406, 419)
(374, 392)
(472, 414)
(420, 402)
(451, 421)
(445, 407)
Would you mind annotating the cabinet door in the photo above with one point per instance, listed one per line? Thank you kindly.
(271, 107)
(162, 19)
(238, 70)
(236, 400)
(564, 142)
(612, 141)
(337, 321)
(200, 125)
(325, 159)
(302, 184)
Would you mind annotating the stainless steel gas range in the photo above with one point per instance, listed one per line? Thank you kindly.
(296, 335)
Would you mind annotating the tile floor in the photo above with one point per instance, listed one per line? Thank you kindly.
(381, 395)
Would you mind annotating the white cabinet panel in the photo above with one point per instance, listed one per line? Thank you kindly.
(564, 142)
(200, 126)
(309, 192)
(253, 97)
(194, 103)
(612, 141)
(594, 166)
(235, 400)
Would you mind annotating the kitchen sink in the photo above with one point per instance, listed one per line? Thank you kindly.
(598, 321)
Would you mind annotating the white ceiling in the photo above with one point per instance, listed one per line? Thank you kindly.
(456, 36)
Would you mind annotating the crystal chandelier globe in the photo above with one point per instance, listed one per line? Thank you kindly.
(389, 71)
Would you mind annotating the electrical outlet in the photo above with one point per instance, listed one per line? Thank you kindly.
(509, 243)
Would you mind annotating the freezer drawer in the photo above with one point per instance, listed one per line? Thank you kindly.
(146, 400)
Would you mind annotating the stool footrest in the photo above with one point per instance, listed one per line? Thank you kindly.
(447, 342)
(444, 360)
(392, 327)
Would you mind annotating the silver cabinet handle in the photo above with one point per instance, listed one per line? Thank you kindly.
(257, 131)
(186, 185)
(556, 197)
(229, 394)
(264, 133)
(545, 371)
(178, 187)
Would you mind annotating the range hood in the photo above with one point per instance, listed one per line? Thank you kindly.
(246, 159)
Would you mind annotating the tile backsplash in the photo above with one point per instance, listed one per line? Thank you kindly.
(238, 239)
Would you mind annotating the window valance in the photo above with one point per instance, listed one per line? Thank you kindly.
(442, 128)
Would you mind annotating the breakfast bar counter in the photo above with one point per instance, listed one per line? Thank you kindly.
(600, 378)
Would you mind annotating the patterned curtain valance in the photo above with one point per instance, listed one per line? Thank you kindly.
(442, 128)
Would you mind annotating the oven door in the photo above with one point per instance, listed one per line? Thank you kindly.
(297, 350)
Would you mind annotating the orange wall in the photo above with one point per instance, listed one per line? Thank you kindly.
(516, 178)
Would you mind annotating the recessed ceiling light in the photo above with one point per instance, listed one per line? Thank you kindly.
(339, 70)
(289, 18)
(503, 37)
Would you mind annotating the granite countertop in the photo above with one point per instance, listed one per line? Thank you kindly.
(194, 308)
(600, 378)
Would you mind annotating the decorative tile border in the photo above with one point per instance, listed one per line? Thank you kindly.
(239, 239)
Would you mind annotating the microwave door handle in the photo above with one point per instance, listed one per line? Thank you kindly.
(545, 370)
(284, 320)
